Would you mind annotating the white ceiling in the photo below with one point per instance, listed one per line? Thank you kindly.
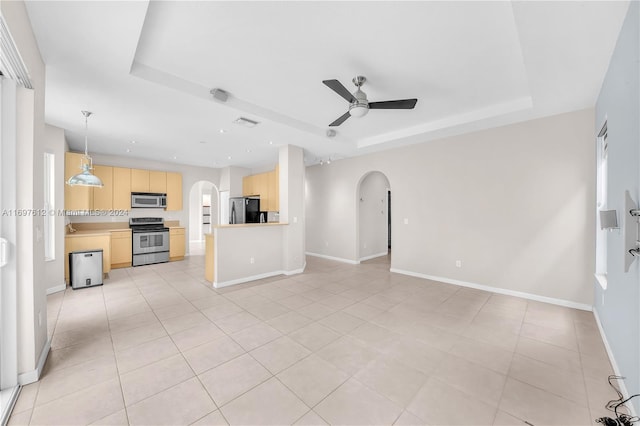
(145, 70)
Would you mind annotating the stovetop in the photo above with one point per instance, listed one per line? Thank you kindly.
(147, 224)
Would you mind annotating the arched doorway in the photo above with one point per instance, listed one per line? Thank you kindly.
(203, 214)
(374, 216)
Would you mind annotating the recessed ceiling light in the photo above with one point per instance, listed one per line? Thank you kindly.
(270, 142)
(222, 131)
(248, 150)
(133, 142)
(229, 158)
(174, 157)
(128, 150)
(245, 122)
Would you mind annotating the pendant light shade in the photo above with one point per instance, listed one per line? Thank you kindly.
(86, 178)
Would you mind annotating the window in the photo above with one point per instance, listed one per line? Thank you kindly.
(49, 207)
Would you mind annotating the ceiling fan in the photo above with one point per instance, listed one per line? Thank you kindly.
(359, 106)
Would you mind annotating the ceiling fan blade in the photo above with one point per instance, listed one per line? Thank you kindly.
(399, 104)
(337, 87)
(340, 120)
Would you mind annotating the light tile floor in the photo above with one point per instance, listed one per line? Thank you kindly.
(339, 344)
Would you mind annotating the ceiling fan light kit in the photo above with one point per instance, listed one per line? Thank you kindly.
(359, 105)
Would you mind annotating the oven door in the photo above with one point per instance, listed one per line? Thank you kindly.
(150, 242)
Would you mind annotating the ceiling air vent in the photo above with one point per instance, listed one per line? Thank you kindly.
(245, 122)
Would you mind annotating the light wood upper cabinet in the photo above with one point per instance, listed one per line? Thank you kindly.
(265, 185)
(75, 197)
(103, 197)
(121, 188)
(139, 180)
(174, 191)
(158, 182)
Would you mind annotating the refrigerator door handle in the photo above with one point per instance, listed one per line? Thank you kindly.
(4, 252)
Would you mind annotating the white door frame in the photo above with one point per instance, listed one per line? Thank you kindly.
(9, 387)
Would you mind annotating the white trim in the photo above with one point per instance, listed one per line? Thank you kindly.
(337, 259)
(373, 256)
(34, 375)
(56, 289)
(614, 364)
(217, 284)
(551, 300)
(10, 402)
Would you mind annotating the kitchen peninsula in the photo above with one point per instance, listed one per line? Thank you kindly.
(240, 253)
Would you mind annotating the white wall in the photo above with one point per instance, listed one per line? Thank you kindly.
(373, 215)
(235, 246)
(190, 175)
(514, 204)
(32, 321)
(292, 206)
(54, 143)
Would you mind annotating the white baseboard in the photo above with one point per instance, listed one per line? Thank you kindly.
(34, 375)
(614, 364)
(337, 259)
(56, 289)
(523, 295)
(218, 284)
(222, 284)
(373, 256)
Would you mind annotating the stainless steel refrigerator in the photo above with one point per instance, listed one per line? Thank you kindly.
(244, 210)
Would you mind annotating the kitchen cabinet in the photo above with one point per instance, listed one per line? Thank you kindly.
(121, 249)
(249, 186)
(208, 257)
(139, 180)
(121, 188)
(157, 182)
(88, 241)
(176, 243)
(76, 197)
(174, 191)
(103, 197)
(266, 186)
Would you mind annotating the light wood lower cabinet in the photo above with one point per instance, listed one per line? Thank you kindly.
(88, 242)
(121, 249)
(208, 257)
(176, 244)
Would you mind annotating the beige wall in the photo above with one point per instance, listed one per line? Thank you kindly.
(32, 321)
(514, 204)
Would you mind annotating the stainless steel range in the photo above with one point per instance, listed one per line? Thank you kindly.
(150, 240)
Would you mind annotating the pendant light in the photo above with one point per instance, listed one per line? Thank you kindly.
(86, 178)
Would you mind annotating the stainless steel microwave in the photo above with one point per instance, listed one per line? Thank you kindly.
(146, 200)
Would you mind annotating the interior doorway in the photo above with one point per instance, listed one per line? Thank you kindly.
(203, 214)
(374, 217)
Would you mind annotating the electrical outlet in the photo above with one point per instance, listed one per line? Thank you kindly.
(295, 219)
(252, 261)
(458, 263)
(406, 220)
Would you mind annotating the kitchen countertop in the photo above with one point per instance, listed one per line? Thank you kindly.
(246, 225)
(93, 232)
